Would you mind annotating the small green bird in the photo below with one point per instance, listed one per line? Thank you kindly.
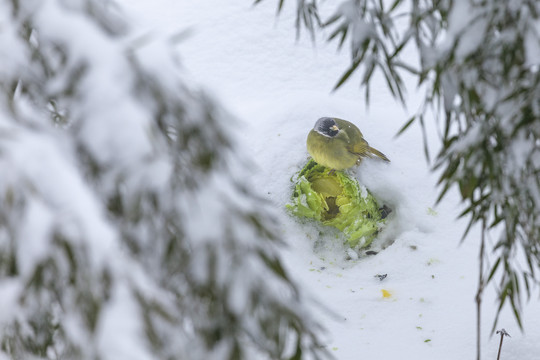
(338, 144)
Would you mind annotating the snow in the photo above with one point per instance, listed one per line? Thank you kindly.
(10, 45)
(9, 293)
(278, 88)
(532, 40)
(33, 156)
(464, 19)
(119, 327)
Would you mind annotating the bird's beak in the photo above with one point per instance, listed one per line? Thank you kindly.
(335, 128)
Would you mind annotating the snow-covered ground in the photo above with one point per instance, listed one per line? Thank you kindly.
(278, 87)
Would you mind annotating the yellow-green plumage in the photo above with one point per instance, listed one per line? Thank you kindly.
(338, 144)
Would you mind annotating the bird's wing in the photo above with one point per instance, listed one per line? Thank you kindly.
(363, 149)
(359, 147)
(342, 136)
(378, 154)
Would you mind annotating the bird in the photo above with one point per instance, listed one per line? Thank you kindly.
(338, 144)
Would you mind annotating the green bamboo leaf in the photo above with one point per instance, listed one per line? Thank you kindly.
(516, 311)
(332, 20)
(343, 37)
(367, 94)
(406, 126)
(400, 47)
(493, 270)
(341, 30)
(280, 6)
(472, 221)
(526, 282)
(389, 80)
(394, 5)
(346, 75)
(443, 192)
(367, 73)
(424, 136)
(467, 211)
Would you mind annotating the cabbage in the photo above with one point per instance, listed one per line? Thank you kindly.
(336, 199)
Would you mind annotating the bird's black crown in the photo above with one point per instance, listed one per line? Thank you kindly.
(324, 126)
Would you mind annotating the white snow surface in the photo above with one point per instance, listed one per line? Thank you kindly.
(278, 87)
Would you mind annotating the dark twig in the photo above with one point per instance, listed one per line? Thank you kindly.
(480, 290)
(503, 334)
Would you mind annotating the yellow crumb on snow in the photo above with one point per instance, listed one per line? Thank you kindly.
(386, 294)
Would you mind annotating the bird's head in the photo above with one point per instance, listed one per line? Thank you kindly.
(326, 126)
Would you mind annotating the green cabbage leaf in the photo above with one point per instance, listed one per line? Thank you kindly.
(337, 199)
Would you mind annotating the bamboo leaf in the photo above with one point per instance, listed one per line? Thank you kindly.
(346, 75)
(394, 5)
(424, 137)
(406, 126)
(493, 270)
(280, 6)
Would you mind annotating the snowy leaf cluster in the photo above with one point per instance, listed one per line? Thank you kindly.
(124, 231)
(479, 64)
(491, 150)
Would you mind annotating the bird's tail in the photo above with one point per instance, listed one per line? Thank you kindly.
(374, 152)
